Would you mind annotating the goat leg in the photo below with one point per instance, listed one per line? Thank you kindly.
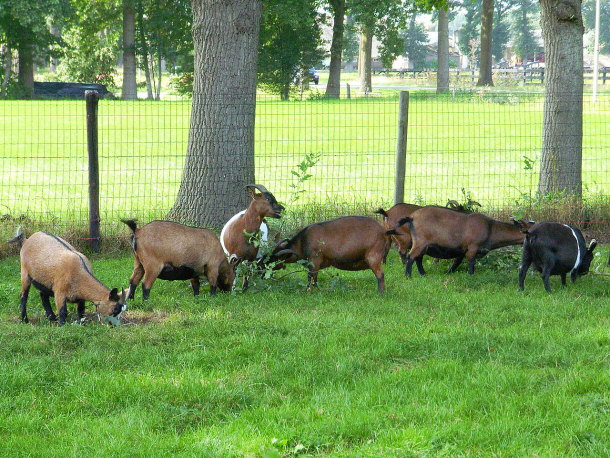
(46, 303)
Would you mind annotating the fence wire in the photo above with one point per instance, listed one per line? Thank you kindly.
(321, 158)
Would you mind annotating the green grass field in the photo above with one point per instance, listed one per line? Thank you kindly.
(439, 366)
(485, 143)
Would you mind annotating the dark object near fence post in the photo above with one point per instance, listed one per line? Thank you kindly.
(401, 147)
(349, 95)
(92, 99)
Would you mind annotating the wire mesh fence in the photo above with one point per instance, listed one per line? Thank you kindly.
(321, 158)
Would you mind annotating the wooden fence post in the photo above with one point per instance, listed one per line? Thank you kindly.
(92, 99)
(349, 95)
(401, 147)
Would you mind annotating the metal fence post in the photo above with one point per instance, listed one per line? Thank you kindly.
(401, 147)
(92, 99)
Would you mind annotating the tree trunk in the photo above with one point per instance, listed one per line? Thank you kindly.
(159, 62)
(130, 90)
(144, 46)
(561, 161)
(487, 21)
(366, 59)
(220, 156)
(333, 87)
(8, 64)
(442, 74)
(25, 73)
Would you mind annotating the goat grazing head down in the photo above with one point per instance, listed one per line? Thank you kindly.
(172, 251)
(348, 243)
(57, 269)
(390, 221)
(453, 234)
(555, 249)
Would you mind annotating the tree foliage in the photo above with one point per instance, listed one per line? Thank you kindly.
(289, 43)
(415, 39)
(588, 12)
(470, 30)
(525, 44)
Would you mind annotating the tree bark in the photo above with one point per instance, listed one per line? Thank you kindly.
(487, 21)
(220, 156)
(442, 74)
(129, 90)
(333, 87)
(25, 73)
(366, 59)
(561, 160)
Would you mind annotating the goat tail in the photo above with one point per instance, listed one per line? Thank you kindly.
(131, 223)
(19, 237)
(404, 220)
(382, 212)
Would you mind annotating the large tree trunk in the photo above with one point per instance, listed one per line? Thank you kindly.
(333, 87)
(25, 73)
(561, 161)
(130, 90)
(220, 156)
(442, 74)
(487, 21)
(365, 60)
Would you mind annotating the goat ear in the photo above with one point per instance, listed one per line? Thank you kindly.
(592, 245)
(381, 212)
(114, 295)
(522, 225)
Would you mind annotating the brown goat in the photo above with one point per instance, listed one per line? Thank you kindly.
(172, 251)
(450, 234)
(390, 221)
(348, 243)
(233, 238)
(57, 269)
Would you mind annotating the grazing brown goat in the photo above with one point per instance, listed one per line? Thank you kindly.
(450, 234)
(172, 251)
(233, 237)
(390, 221)
(348, 243)
(57, 269)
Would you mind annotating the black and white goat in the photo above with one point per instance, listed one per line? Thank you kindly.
(555, 249)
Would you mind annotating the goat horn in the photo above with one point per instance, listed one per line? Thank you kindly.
(287, 251)
(260, 187)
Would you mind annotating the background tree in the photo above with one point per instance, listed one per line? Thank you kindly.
(25, 26)
(588, 12)
(350, 39)
(524, 42)
(414, 39)
(500, 33)
(220, 154)
(470, 28)
(91, 38)
(486, 61)
(561, 159)
(129, 90)
(442, 52)
(379, 18)
(289, 43)
(338, 10)
(163, 35)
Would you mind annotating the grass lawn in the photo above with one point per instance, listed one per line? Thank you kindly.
(439, 366)
(487, 144)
